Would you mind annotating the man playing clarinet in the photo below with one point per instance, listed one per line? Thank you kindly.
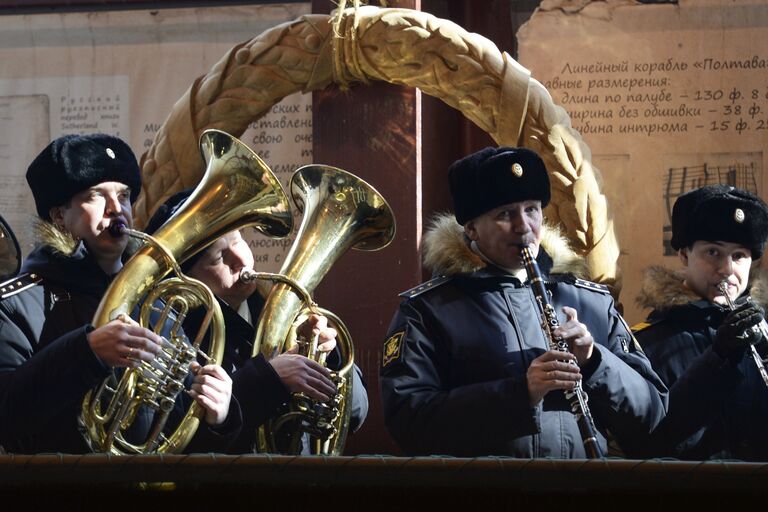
(703, 336)
(470, 369)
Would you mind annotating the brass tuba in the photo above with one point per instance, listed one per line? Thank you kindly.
(238, 189)
(341, 211)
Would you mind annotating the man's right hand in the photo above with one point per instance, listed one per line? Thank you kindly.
(303, 375)
(551, 371)
(735, 334)
(123, 343)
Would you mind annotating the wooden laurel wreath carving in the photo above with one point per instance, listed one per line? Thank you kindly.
(400, 46)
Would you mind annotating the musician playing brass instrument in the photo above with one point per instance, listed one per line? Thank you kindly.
(466, 367)
(261, 386)
(703, 334)
(50, 354)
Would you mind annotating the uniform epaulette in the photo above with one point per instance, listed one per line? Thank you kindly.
(641, 326)
(18, 284)
(589, 285)
(424, 287)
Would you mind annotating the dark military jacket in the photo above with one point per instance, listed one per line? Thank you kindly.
(453, 376)
(257, 386)
(46, 363)
(718, 408)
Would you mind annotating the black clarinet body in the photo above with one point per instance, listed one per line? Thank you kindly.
(577, 397)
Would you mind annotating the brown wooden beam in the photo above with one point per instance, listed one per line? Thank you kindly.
(371, 131)
(402, 142)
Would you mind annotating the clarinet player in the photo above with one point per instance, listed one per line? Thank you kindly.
(700, 333)
(467, 368)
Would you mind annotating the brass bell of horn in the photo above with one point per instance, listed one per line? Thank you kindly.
(341, 211)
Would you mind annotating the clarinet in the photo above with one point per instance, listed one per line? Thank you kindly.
(761, 329)
(577, 397)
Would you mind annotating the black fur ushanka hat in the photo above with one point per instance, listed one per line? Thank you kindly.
(73, 163)
(720, 213)
(493, 177)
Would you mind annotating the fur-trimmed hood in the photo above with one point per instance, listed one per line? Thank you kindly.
(48, 234)
(61, 259)
(447, 252)
(663, 288)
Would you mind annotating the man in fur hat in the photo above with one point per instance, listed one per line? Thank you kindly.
(698, 344)
(466, 367)
(262, 387)
(50, 354)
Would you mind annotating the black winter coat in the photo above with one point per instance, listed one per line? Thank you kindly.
(718, 408)
(46, 364)
(454, 370)
(258, 388)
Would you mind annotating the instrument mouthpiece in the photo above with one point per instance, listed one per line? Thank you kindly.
(247, 275)
(117, 228)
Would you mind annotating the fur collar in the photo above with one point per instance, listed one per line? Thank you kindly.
(447, 252)
(663, 288)
(48, 234)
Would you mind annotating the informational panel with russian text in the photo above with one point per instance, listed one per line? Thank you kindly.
(120, 72)
(669, 97)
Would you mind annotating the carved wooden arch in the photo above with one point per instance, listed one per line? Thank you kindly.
(400, 46)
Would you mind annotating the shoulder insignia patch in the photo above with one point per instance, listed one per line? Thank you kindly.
(641, 326)
(589, 285)
(425, 287)
(18, 284)
(393, 348)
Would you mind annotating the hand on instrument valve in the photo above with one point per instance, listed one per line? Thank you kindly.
(735, 334)
(317, 325)
(551, 371)
(303, 375)
(212, 389)
(577, 335)
(123, 342)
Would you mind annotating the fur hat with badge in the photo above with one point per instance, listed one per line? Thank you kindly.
(720, 213)
(494, 177)
(73, 163)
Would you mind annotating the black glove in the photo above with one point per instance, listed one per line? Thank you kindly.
(735, 334)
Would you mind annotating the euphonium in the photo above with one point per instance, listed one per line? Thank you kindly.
(760, 329)
(341, 211)
(577, 397)
(238, 189)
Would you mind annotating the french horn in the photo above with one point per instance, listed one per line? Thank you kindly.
(238, 189)
(341, 211)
